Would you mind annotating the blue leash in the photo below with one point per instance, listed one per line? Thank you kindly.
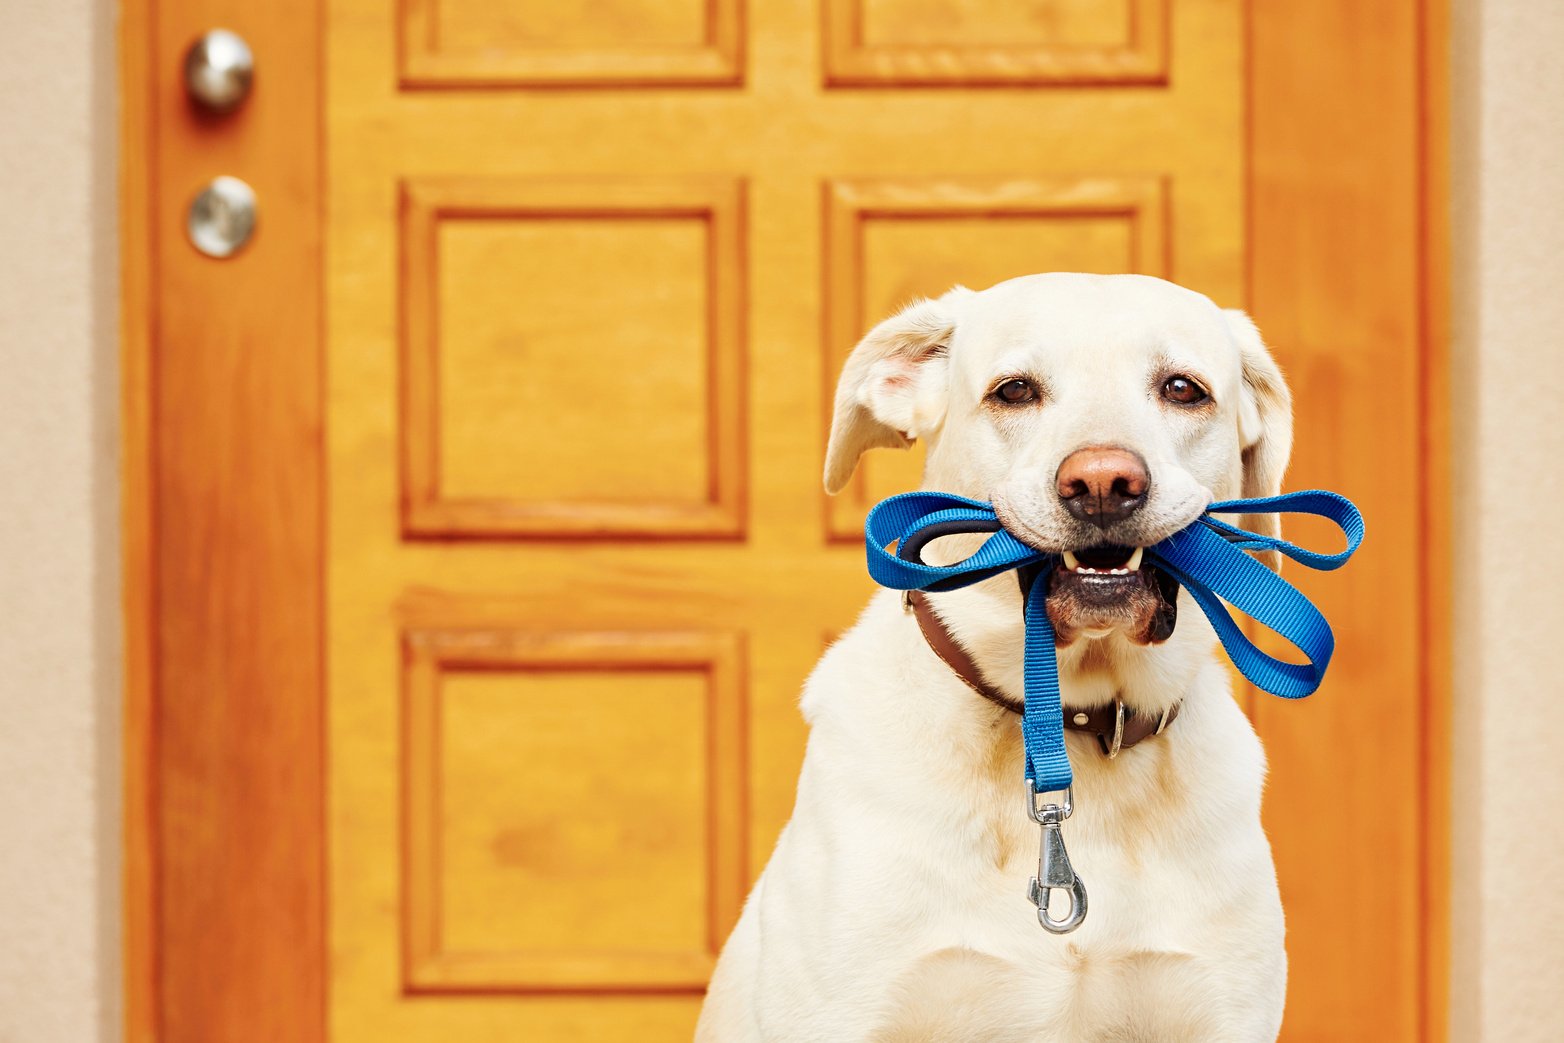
(1209, 558)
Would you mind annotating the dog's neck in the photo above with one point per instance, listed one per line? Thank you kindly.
(987, 620)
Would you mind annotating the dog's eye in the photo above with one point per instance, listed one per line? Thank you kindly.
(1015, 392)
(1183, 391)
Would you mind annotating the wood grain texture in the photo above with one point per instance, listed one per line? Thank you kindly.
(648, 835)
(1000, 59)
(227, 709)
(606, 509)
(612, 58)
(1340, 286)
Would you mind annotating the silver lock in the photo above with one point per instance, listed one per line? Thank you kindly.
(218, 71)
(222, 217)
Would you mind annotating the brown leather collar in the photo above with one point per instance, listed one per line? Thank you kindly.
(1115, 725)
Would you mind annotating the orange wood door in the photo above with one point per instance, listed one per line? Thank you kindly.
(587, 274)
(578, 342)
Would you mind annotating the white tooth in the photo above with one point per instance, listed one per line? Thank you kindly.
(1134, 562)
(1070, 562)
(1121, 572)
(1085, 569)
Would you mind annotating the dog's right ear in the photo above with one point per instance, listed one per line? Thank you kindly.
(894, 385)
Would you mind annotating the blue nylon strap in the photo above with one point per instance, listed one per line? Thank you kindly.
(1042, 718)
(1210, 558)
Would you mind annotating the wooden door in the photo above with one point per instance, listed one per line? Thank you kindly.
(578, 343)
(587, 274)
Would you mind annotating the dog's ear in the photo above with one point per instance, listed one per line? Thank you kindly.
(1264, 425)
(893, 388)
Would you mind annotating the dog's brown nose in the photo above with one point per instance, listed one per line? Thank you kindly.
(1103, 484)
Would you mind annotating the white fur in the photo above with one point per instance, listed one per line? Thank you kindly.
(893, 908)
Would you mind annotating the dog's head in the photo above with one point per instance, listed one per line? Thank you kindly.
(1100, 414)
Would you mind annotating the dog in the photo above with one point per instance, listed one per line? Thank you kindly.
(1099, 414)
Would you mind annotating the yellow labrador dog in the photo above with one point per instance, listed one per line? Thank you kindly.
(1099, 414)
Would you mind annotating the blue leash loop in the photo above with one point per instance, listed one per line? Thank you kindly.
(1210, 558)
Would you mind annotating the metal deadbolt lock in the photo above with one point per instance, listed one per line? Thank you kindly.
(222, 217)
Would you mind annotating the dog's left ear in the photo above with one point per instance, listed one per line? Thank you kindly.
(1264, 424)
(893, 387)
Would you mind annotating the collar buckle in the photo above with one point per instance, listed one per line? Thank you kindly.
(1117, 743)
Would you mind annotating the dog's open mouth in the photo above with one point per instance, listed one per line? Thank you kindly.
(1111, 587)
(1107, 561)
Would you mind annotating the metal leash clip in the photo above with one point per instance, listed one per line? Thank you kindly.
(1053, 864)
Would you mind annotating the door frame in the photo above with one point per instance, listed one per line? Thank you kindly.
(223, 592)
(177, 882)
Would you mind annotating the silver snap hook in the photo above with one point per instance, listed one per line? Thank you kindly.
(1054, 871)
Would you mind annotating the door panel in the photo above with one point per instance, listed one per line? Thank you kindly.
(910, 42)
(633, 749)
(598, 329)
(455, 43)
(1061, 24)
(572, 357)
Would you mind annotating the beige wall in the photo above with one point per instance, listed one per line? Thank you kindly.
(58, 568)
(1508, 148)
